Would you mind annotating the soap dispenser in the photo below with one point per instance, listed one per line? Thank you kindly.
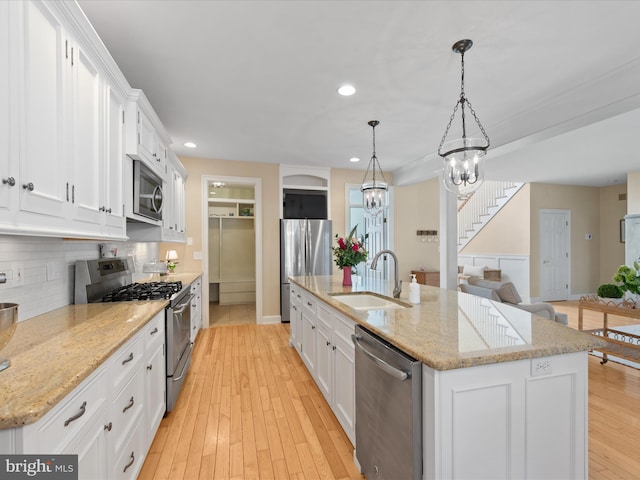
(414, 290)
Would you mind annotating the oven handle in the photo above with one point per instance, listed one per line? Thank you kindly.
(184, 304)
(186, 365)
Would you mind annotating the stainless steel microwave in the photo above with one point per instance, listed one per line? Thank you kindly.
(148, 197)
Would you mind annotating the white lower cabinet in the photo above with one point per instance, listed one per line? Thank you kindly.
(110, 419)
(295, 319)
(506, 421)
(322, 337)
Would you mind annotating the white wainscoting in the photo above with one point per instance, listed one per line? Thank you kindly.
(515, 269)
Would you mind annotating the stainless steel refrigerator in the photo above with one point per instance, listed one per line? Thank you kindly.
(305, 249)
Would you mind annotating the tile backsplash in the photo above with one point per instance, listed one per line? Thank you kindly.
(41, 271)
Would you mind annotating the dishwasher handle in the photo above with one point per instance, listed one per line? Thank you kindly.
(393, 371)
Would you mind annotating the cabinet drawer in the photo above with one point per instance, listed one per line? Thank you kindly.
(324, 315)
(127, 408)
(129, 462)
(309, 303)
(154, 332)
(125, 362)
(69, 418)
(343, 328)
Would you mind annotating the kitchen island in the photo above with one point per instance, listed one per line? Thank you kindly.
(504, 392)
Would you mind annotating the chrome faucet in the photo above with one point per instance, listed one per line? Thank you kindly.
(398, 283)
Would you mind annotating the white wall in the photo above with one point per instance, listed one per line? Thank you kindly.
(49, 269)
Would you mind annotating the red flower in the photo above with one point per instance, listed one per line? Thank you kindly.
(341, 243)
(355, 247)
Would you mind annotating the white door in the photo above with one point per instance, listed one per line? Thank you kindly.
(555, 255)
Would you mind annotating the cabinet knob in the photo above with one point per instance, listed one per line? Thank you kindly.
(10, 181)
(103, 209)
(150, 366)
(108, 210)
(108, 427)
(28, 186)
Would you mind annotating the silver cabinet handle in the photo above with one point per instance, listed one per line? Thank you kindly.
(29, 186)
(128, 359)
(394, 372)
(131, 462)
(10, 181)
(150, 366)
(83, 409)
(131, 403)
(155, 330)
(108, 427)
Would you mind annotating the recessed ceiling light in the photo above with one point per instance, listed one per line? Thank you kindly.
(346, 90)
(354, 159)
(190, 145)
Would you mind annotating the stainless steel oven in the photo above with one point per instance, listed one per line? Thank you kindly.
(178, 345)
(148, 197)
(110, 280)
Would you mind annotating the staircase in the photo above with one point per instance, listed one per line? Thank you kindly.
(475, 211)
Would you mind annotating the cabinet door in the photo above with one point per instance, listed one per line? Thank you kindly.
(43, 147)
(344, 387)
(113, 199)
(155, 391)
(85, 188)
(294, 327)
(91, 449)
(146, 138)
(309, 342)
(8, 152)
(324, 361)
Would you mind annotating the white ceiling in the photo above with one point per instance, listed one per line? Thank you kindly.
(257, 80)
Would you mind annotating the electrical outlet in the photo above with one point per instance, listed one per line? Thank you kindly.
(540, 366)
(197, 255)
(17, 270)
(189, 240)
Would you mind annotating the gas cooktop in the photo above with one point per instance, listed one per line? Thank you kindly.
(144, 291)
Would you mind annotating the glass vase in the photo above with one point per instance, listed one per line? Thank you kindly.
(346, 276)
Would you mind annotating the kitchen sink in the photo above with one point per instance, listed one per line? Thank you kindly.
(368, 301)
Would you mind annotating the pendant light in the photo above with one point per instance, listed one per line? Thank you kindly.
(374, 190)
(463, 171)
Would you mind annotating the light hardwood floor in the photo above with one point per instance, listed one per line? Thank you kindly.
(250, 409)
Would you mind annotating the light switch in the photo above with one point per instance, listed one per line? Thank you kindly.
(197, 255)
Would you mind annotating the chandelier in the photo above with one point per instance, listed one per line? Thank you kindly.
(374, 191)
(463, 171)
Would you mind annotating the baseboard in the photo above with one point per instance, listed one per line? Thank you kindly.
(269, 320)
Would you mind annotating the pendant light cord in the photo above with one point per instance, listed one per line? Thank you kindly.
(374, 161)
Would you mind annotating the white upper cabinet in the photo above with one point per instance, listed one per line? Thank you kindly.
(85, 178)
(147, 139)
(61, 113)
(45, 63)
(8, 153)
(113, 177)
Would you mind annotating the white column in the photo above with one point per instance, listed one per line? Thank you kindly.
(448, 239)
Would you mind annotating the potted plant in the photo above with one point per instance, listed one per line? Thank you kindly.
(630, 280)
(349, 253)
(610, 291)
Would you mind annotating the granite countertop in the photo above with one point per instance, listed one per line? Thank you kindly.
(450, 329)
(53, 353)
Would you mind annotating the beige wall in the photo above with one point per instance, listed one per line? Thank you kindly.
(612, 210)
(508, 232)
(416, 207)
(633, 189)
(269, 173)
(584, 205)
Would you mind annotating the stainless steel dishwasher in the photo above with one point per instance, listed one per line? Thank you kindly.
(388, 409)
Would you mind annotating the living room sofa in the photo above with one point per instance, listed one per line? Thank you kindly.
(506, 292)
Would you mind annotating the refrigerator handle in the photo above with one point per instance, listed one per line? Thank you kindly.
(307, 245)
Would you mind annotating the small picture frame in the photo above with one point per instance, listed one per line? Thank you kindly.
(622, 231)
